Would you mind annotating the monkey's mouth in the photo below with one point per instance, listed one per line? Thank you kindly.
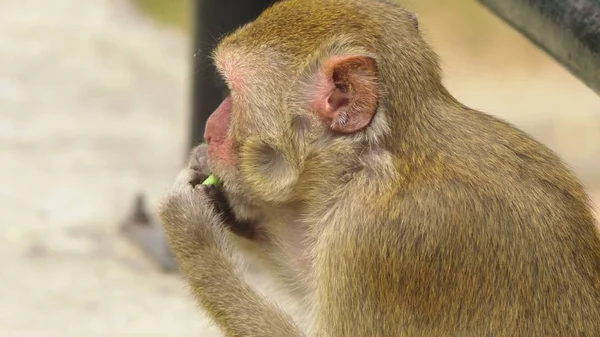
(245, 229)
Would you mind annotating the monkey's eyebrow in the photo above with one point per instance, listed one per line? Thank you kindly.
(219, 70)
(230, 69)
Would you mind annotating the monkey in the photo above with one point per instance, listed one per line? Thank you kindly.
(375, 199)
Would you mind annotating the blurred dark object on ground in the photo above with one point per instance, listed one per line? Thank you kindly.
(213, 19)
(568, 30)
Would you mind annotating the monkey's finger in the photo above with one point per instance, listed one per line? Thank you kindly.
(180, 191)
(198, 160)
(186, 190)
(211, 191)
(187, 179)
(190, 177)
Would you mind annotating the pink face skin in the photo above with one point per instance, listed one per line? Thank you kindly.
(220, 147)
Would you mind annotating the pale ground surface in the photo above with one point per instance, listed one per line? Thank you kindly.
(93, 109)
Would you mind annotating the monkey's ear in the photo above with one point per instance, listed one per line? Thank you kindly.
(351, 102)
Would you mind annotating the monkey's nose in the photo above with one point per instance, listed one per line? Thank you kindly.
(218, 123)
(209, 130)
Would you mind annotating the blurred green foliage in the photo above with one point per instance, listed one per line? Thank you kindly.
(172, 12)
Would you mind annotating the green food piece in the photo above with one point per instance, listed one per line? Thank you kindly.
(211, 180)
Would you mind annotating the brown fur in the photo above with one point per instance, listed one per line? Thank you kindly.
(435, 220)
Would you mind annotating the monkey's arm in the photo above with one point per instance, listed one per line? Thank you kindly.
(231, 302)
(196, 233)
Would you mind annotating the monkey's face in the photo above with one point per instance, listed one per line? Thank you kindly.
(262, 134)
(247, 141)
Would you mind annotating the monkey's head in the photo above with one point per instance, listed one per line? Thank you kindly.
(316, 87)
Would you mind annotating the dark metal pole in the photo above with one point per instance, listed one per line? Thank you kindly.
(568, 30)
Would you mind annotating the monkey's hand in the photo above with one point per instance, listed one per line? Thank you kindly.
(198, 162)
(196, 234)
(190, 214)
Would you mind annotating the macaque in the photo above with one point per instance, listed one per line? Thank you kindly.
(379, 203)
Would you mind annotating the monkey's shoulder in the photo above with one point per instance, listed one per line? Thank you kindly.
(483, 150)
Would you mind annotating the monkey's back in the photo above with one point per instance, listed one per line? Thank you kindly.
(510, 242)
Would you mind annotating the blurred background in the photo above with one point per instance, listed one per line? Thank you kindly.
(94, 105)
